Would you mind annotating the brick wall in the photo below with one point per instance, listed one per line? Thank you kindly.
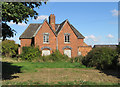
(74, 42)
(39, 37)
(25, 42)
(84, 50)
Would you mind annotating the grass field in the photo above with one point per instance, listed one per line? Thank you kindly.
(54, 73)
(33, 66)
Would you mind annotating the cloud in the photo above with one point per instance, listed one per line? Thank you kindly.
(42, 17)
(20, 24)
(92, 37)
(110, 36)
(115, 12)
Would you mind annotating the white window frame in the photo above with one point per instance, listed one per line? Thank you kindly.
(66, 38)
(45, 37)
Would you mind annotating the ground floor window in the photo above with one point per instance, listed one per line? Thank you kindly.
(68, 53)
(45, 52)
(79, 53)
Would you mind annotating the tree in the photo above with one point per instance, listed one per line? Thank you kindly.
(30, 53)
(101, 58)
(9, 48)
(17, 12)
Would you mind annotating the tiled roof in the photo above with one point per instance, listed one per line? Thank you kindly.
(32, 28)
(29, 32)
(57, 26)
(78, 34)
(60, 27)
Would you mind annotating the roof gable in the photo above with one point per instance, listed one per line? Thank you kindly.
(42, 25)
(32, 29)
(76, 32)
(29, 32)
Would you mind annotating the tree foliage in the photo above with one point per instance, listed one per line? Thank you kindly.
(9, 48)
(118, 49)
(17, 12)
(101, 58)
(30, 53)
(7, 31)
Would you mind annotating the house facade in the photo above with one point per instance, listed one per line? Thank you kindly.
(51, 36)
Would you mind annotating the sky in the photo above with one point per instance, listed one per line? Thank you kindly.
(97, 21)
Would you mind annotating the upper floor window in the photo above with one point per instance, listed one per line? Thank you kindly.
(46, 38)
(67, 37)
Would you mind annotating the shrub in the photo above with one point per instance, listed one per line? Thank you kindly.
(45, 58)
(9, 48)
(77, 59)
(57, 56)
(101, 58)
(30, 53)
(118, 49)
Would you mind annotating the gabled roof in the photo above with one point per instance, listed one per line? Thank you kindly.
(41, 26)
(60, 27)
(29, 32)
(77, 33)
(32, 30)
(57, 26)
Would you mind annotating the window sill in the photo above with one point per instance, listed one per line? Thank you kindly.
(66, 42)
(46, 43)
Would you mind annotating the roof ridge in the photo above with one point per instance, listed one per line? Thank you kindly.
(60, 27)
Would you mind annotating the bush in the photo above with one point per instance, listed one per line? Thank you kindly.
(45, 58)
(30, 53)
(9, 48)
(57, 56)
(77, 59)
(101, 58)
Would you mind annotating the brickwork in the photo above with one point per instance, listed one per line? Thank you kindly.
(73, 40)
(84, 50)
(25, 42)
(39, 37)
(52, 21)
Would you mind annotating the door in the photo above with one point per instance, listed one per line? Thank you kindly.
(68, 53)
(45, 52)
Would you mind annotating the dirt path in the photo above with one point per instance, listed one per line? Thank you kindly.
(66, 74)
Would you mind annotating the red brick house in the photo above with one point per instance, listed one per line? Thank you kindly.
(50, 36)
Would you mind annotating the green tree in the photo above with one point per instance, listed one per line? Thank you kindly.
(9, 48)
(118, 49)
(30, 53)
(101, 58)
(17, 12)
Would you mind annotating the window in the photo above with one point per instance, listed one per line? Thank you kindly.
(45, 38)
(67, 37)
(79, 53)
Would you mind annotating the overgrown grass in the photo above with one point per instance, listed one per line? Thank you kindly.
(32, 66)
(29, 82)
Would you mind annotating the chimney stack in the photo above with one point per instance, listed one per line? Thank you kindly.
(52, 21)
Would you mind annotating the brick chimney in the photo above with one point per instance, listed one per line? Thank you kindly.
(52, 21)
